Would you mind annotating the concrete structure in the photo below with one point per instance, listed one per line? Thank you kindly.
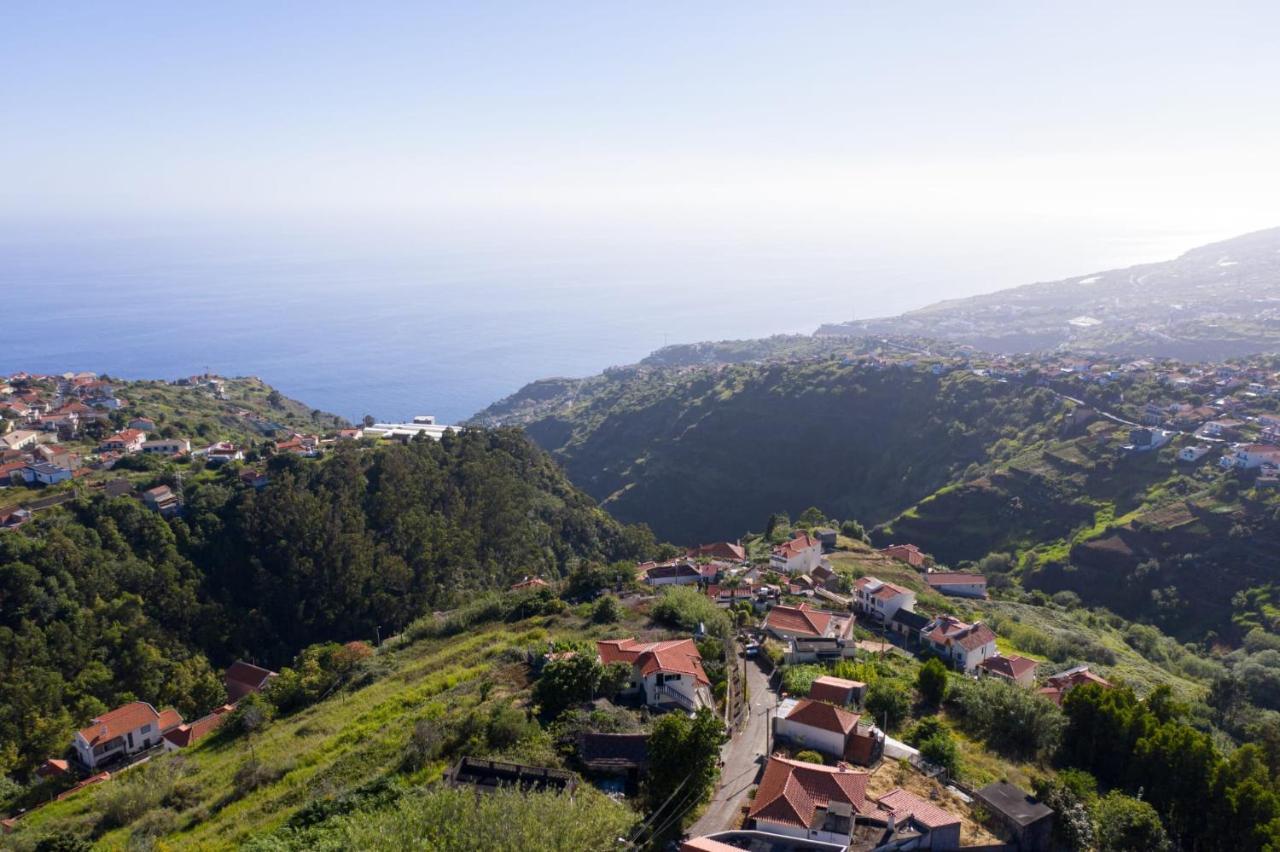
(1193, 454)
(166, 446)
(880, 600)
(800, 555)
(958, 584)
(1029, 821)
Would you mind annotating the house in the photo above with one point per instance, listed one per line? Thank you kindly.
(940, 829)
(300, 445)
(958, 584)
(122, 732)
(1250, 456)
(223, 452)
(615, 754)
(162, 499)
(880, 600)
(1057, 686)
(805, 622)
(1144, 440)
(907, 553)
(188, 734)
(1225, 428)
(837, 690)
(166, 446)
(962, 645)
(57, 454)
(485, 776)
(243, 678)
(1193, 454)
(1019, 670)
(662, 673)
(727, 596)
(909, 626)
(827, 538)
(46, 474)
(20, 439)
(800, 555)
(350, 434)
(809, 801)
(672, 574)
(143, 424)
(829, 730)
(718, 550)
(824, 576)
(128, 441)
(530, 584)
(1028, 821)
(255, 479)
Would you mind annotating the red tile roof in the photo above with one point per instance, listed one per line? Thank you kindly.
(169, 718)
(242, 678)
(1011, 667)
(185, 735)
(826, 717)
(791, 792)
(834, 689)
(905, 805)
(718, 550)
(530, 583)
(947, 629)
(120, 721)
(796, 545)
(679, 656)
(800, 620)
(954, 578)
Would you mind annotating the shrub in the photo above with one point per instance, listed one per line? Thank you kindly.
(931, 681)
(687, 609)
(606, 610)
(796, 680)
(888, 703)
(940, 750)
(1007, 717)
(809, 756)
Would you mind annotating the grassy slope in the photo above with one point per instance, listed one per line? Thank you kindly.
(340, 743)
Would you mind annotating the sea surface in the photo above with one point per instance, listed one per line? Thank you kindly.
(446, 329)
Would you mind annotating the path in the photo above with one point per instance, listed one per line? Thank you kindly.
(741, 757)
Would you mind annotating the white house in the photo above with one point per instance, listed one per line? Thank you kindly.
(20, 439)
(223, 452)
(880, 600)
(166, 446)
(126, 441)
(665, 673)
(800, 555)
(1251, 456)
(1014, 668)
(958, 584)
(46, 473)
(124, 731)
(910, 813)
(805, 622)
(1193, 454)
(830, 730)
(962, 645)
(805, 800)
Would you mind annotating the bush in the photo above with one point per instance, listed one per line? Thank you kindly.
(809, 756)
(252, 712)
(1007, 717)
(606, 610)
(888, 703)
(796, 680)
(688, 608)
(1126, 823)
(940, 750)
(931, 681)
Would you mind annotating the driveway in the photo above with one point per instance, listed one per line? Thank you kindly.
(741, 757)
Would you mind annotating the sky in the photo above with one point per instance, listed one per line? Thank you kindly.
(730, 123)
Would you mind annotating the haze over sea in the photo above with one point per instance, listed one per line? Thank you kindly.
(397, 326)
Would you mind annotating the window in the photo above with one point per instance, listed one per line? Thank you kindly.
(146, 729)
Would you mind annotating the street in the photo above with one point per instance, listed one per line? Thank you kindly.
(741, 759)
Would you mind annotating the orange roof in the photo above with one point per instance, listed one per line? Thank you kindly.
(169, 718)
(799, 620)
(791, 792)
(679, 656)
(185, 735)
(948, 629)
(1011, 667)
(827, 717)
(833, 689)
(530, 583)
(120, 721)
(718, 550)
(793, 547)
(242, 678)
(706, 844)
(905, 805)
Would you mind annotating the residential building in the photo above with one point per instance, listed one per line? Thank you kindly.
(20, 439)
(166, 446)
(958, 584)
(880, 600)
(665, 674)
(1029, 821)
(827, 538)
(907, 553)
(529, 584)
(1250, 456)
(122, 732)
(46, 473)
(1058, 685)
(731, 551)
(242, 678)
(838, 690)
(1193, 454)
(829, 730)
(800, 555)
(143, 424)
(672, 574)
(1016, 669)
(189, 733)
(805, 622)
(940, 829)
(223, 452)
(962, 645)
(127, 441)
(805, 800)
(162, 499)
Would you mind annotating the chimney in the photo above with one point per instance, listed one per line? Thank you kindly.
(889, 823)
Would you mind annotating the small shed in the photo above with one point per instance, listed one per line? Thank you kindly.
(1028, 820)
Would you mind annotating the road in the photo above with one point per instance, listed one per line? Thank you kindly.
(741, 757)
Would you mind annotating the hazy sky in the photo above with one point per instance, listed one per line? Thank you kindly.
(738, 117)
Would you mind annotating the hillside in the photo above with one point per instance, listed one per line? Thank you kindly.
(1213, 302)
(104, 601)
(700, 454)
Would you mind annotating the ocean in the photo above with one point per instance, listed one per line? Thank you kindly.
(448, 329)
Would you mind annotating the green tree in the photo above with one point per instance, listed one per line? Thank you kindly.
(606, 610)
(888, 703)
(1126, 824)
(931, 681)
(567, 681)
(684, 757)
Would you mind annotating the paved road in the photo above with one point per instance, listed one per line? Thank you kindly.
(741, 759)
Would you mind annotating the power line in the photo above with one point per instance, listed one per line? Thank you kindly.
(640, 828)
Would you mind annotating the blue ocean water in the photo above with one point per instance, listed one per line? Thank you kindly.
(443, 330)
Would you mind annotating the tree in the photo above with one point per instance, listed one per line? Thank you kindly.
(888, 703)
(1126, 824)
(931, 681)
(808, 756)
(567, 681)
(684, 758)
(1072, 795)
(606, 610)
(940, 750)
(811, 517)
